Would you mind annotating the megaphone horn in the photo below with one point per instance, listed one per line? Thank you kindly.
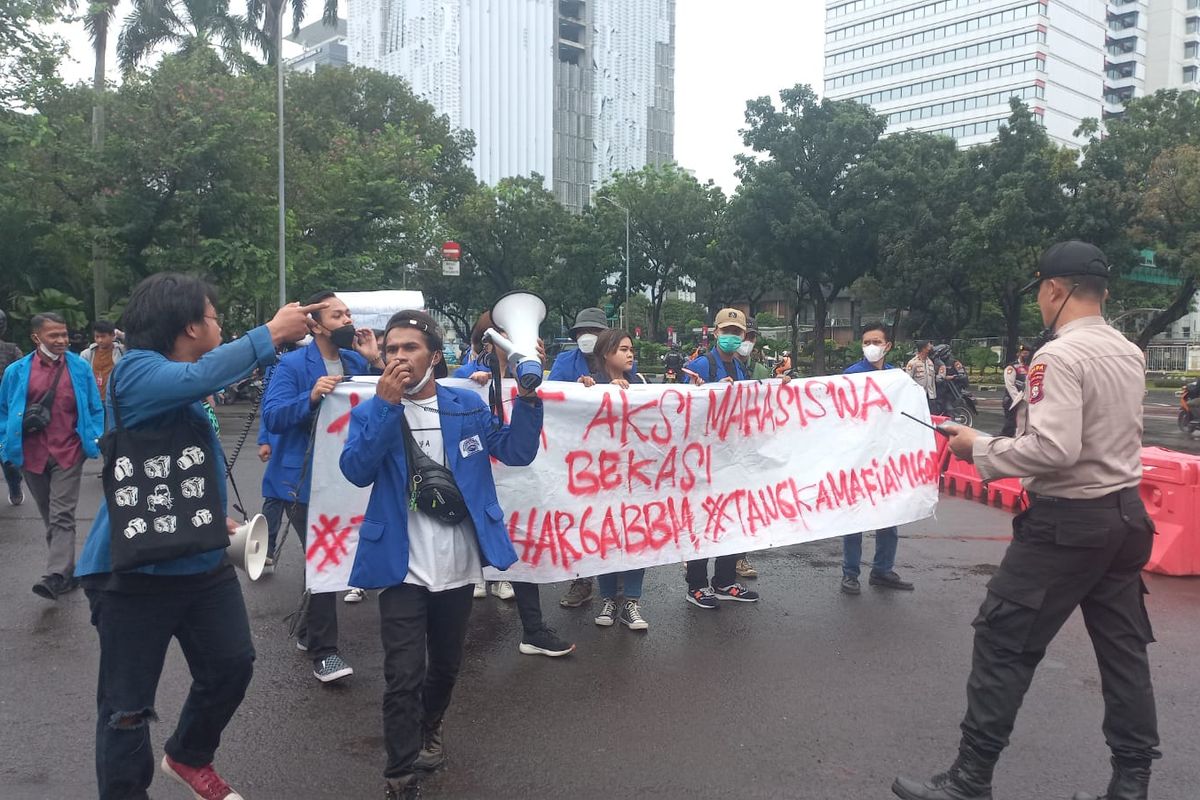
(248, 546)
(520, 314)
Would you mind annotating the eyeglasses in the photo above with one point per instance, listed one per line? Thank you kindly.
(217, 318)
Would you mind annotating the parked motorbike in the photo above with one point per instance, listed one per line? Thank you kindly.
(959, 404)
(1188, 422)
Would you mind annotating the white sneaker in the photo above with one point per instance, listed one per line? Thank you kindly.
(355, 595)
(503, 590)
(480, 591)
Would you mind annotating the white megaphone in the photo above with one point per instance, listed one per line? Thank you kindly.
(248, 546)
(520, 314)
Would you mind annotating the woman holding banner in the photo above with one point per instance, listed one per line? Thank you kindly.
(612, 363)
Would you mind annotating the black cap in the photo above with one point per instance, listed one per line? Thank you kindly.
(1069, 258)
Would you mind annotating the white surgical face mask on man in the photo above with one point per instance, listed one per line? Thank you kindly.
(47, 352)
(414, 389)
(745, 349)
(874, 353)
(587, 343)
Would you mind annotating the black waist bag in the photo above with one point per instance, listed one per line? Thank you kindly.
(160, 486)
(432, 488)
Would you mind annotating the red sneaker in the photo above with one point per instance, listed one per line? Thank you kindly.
(204, 781)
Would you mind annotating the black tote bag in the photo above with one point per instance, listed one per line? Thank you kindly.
(160, 486)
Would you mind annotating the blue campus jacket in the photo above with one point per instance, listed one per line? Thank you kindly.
(288, 414)
(467, 369)
(270, 484)
(700, 366)
(14, 390)
(151, 385)
(864, 366)
(374, 454)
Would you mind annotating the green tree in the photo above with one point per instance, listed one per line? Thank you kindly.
(911, 186)
(796, 211)
(1131, 194)
(509, 235)
(1018, 206)
(672, 222)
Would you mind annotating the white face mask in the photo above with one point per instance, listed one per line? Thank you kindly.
(874, 353)
(587, 343)
(745, 349)
(414, 389)
(46, 352)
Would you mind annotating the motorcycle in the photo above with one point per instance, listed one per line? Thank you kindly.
(1188, 422)
(959, 404)
(670, 376)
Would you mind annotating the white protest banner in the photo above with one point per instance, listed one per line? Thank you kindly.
(658, 474)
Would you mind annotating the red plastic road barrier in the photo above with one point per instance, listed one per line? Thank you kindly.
(1007, 493)
(961, 478)
(943, 443)
(1171, 491)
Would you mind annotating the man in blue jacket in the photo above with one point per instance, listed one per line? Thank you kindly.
(175, 360)
(719, 365)
(427, 566)
(50, 450)
(289, 410)
(876, 342)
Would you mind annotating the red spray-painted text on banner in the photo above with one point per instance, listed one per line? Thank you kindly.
(656, 474)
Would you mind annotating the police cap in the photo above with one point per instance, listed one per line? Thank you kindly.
(1069, 258)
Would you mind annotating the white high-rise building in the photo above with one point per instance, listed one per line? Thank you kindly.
(1151, 45)
(950, 66)
(571, 89)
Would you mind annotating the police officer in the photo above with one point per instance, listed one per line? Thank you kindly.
(1082, 542)
(1014, 389)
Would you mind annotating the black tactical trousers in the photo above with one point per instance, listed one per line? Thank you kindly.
(1067, 554)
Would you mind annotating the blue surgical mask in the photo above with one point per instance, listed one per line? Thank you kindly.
(729, 342)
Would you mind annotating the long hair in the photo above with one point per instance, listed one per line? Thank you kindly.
(606, 343)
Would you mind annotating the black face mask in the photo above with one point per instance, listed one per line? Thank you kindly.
(343, 337)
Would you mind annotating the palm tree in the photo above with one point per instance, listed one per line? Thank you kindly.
(189, 25)
(97, 23)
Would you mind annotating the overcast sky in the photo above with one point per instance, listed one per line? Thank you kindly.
(726, 53)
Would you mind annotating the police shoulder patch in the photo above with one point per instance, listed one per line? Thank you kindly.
(1037, 374)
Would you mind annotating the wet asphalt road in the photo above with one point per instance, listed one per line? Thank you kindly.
(810, 694)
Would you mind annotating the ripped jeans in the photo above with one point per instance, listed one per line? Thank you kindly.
(135, 631)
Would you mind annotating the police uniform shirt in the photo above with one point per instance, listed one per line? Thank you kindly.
(1080, 431)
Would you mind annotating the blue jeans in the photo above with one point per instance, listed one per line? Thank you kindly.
(885, 552)
(630, 579)
(135, 631)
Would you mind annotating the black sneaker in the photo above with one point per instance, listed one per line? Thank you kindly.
(46, 588)
(631, 616)
(736, 591)
(702, 598)
(17, 497)
(545, 642)
(850, 585)
(890, 580)
(331, 668)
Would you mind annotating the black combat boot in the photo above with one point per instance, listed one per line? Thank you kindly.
(1129, 782)
(969, 778)
(432, 755)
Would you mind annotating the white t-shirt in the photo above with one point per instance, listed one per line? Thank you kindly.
(440, 556)
(334, 367)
